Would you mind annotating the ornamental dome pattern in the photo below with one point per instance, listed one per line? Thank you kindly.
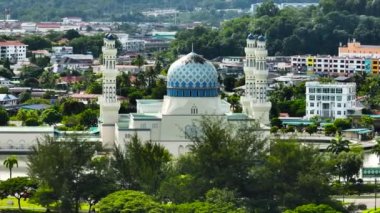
(192, 76)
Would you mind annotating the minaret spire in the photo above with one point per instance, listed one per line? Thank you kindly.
(255, 102)
(109, 105)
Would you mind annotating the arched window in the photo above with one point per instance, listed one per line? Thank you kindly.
(181, 150)
(194, 110)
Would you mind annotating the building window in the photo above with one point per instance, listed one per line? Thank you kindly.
(338, 90)
(311, 90)
(194, 110)
(190, 131)
(339, 105)
(339, 98)
(155, 126)
(143, 126)
(311, 104)
(311, 112)
(339, 112)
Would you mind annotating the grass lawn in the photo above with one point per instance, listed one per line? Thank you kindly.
(26, 205)
(11, 203)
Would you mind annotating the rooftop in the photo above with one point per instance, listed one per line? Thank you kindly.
(28, 129)
(12, 43)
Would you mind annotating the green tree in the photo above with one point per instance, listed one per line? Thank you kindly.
(9, 163)
(230, 152)
(229, 83)
(274, 129)
(348, 164)
(4, 117)
(6, 73)
(311, 129)
(330, 129)
(141, 165)
(31, 122)
(44, 196)
(7, 64)
(342, 124)
(36, 42)
(24, 96)
(313, 208)
(19, 187)
(128, 201)
(47, 79)
(71, 34)
(61, 167)
(338, 145)
(94, 88)
(267, 8)
(71, 107)
(276, 122)
(89, 117)
(234, 100)
(366, 121)
(294, 174)
(51, 116)
(139, 61)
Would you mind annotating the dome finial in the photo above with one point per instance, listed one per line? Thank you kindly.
(192, 47)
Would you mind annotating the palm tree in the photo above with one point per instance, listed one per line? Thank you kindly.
(9, 163)
(376, 148)
(338, 145)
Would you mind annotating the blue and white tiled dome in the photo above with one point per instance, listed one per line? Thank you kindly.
(192, 76)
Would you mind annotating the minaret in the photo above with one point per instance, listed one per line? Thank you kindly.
(255, 103)
(109, 105)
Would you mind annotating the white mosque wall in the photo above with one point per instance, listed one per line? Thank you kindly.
(22, 138)
(107, 133)
(201, 105)
(149, 106)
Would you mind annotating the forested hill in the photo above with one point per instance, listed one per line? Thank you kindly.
(48, 10)
(313, 30)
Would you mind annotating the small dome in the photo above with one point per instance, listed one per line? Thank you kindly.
(251, 37)
(110, 36)
(261, 38)
(192, 76)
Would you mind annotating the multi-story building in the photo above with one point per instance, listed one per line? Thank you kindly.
(13, 50)
(355, 49)
(334, 65)
(134, 45)
(330, 100)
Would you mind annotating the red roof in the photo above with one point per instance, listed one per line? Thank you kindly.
(11, 43)
(48, 25)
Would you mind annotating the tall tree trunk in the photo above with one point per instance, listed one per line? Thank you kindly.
(19, 203)
(10, 172)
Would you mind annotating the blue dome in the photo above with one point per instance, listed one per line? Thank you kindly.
(110, 36)
(192, 76)
(251, 37)
(261, 38)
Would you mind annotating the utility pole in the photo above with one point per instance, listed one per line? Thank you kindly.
(375, 192)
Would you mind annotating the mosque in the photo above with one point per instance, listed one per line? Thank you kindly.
(192, 92)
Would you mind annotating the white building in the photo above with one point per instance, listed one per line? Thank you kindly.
(332, 100)
(192, 92)
(255, 102)
(329, 64)
(4, 82)
(13, 50)
(29, 26)
(134, 45)
(7, 100)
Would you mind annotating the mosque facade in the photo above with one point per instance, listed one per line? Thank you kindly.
(193, 91)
